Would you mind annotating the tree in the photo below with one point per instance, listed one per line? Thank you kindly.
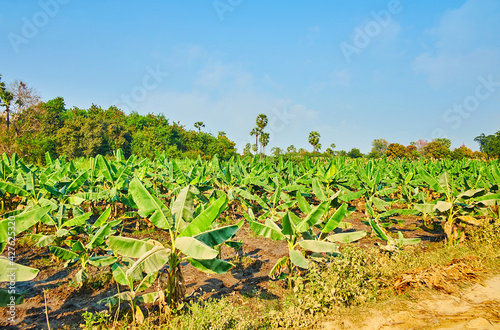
(5, 99)
(462, 152)
(379, 148)
(24, 97)
(444, 141)
(221, 134)
(489, 144)
(314, 140)
(411, 152)
(264, 140)
(24, 111)
(247, 149)
(330, 151)
(396, 150)
(261, 121)
(342, 153)
(291, 149)
(256, 131)
(373, 154)
(354, 153)
(420, 145)
(199, 125)
(276, 151)
(437, 150)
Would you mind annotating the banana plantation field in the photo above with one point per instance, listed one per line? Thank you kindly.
(149, 237)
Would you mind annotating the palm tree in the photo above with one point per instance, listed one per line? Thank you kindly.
(256, 131)
(6, 97)
(199, 125)
(314, 140)
(261, 121)
(264, 140)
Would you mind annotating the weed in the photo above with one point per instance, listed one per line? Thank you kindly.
(350, 279)
(98, 282)
(95, 321)
(73, 284)
(211, 314)
(43, 262)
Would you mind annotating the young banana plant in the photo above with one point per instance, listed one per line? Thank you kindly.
(452, 203)
(82, 252)
(293, 229)
(392, 244)
(191, 239)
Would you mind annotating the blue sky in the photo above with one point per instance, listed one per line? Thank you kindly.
(354, 72)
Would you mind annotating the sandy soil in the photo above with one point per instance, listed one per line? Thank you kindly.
(477, 307)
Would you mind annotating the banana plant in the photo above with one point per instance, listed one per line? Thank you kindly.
(63, 226)
(191, 238)
(452, 202)
(82, 252)
(393, 244)
(292, 230)
(116, 178)
(135, 282)
(26, 186)
(63, 190)
(19, 223)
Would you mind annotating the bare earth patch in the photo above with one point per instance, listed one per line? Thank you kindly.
(475, 308)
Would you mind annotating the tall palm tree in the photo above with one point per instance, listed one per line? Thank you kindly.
(261, 121)
(6, 97)
(256, 131)
(314, 140)
(199, 125)
(264, 141)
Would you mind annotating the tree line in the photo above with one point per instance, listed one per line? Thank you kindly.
(31, 128)
(437, 149)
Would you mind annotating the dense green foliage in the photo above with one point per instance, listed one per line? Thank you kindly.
(305, 204)
(50, 127)
(489, 144)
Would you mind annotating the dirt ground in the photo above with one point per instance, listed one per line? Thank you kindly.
(476, 308)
